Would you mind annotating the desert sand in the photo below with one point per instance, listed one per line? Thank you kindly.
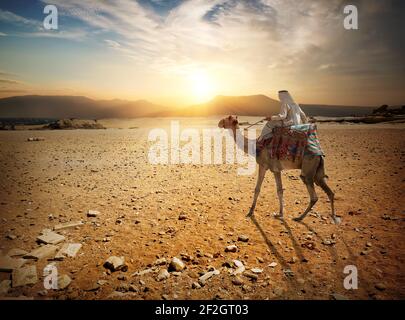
(193, 212)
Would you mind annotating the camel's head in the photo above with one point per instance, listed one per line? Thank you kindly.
(229, 122)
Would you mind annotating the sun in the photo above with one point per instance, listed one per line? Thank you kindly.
(201, 85)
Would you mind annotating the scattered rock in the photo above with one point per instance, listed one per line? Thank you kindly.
(237, 281)
(68, 250)
(163, 275)
(42, 252)
(273, 264)
(195, 285)
(42, 293)
(368, 244)
(102, 282)
(380, 286)
(256, 270)
(203, 279)
(160, 262)
(5, 287)
(176, 265)
(114, 263)
(182, 217)
(24, 276)
(92, 213)
(31, 139)
(16, 253)
(338, 296)
(50, 237)
(260, 259)
(90, 286)
(251, 275)
(8, 264)
(278, 291)
(243, 238)
(232, 248)
(288, 273)
(63, 281)
(67, 225)
(142, 272)
(11, 237)
(240, 268)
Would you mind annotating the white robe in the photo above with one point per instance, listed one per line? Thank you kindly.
(290, 114)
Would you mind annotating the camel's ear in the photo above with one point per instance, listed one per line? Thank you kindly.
(229, 117)
(236, 117)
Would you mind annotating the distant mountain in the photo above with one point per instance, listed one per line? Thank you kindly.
(60, 107)
(260, 105)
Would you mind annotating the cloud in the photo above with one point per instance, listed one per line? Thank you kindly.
(10, 82)
(7, 16)
(2, 34)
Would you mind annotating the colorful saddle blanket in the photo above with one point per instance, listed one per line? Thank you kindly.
(292, 143)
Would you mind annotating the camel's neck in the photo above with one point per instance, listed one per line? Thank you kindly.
(243, 142)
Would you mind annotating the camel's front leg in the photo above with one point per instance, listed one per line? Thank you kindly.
(279, 184)
(260, 178)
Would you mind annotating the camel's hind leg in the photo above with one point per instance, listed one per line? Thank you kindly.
(260, 178)
(322, 183)
(279, 185)
(313, 198)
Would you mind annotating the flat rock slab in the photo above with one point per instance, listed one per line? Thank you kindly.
(63, 281)
(114, 263)
(50, 237)
(68, 250)
(66, 225)
(42, 252)
(17, 253)
(8, 264)
(24, 276)
(5, 287)
(93, 213)
(203, 279)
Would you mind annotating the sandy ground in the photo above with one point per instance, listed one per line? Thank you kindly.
(71, 172)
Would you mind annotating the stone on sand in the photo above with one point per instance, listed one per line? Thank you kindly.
(16, 253)
(24, 276)
(63, 281)
(273, 264)
(338, 296)
(66, 225)
(8, 264)
(240, 268)
(243, 238)
(42, 252)
(256, 270)
(5, 287)
(176, 265)
(232, 248)
(203, 279)
(115, 263)
(163, 275)
(237, 281)
(68, 250)
(50, 237)
(93, 213)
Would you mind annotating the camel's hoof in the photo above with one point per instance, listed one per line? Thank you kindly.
(279, 216)
(250, 214)
(298, 219)
(337, 220)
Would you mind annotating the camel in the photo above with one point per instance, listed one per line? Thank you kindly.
(312, 172)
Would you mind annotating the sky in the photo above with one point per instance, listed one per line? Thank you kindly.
(179, 52)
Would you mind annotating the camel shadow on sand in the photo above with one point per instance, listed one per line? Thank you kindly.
(336, 263)
(291, 281)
